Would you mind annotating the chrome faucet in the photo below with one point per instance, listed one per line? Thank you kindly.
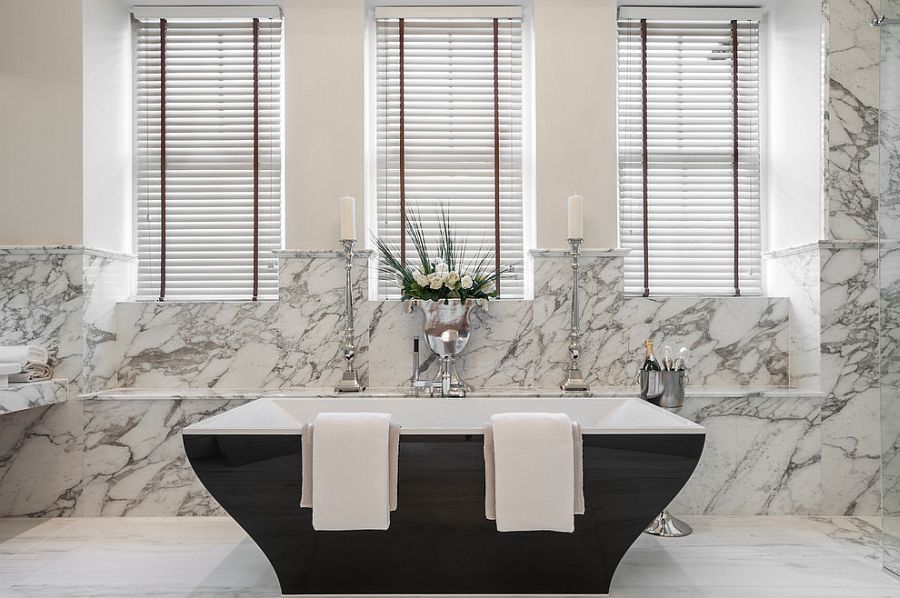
(445, 384)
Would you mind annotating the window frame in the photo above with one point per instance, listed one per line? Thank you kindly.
(713, 14)
(417, 8)
(204, 13)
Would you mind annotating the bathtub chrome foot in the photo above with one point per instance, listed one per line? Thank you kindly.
(667, 526)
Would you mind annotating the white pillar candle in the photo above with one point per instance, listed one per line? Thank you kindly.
(348, 218)
(576, 217)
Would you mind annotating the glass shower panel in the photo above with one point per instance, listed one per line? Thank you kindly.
(889, 283)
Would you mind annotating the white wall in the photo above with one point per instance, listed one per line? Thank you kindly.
(795, 123)
(107, 139)
(40, 120)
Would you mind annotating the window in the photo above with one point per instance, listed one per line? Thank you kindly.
(208, 154)
(449, 119)
(689, 151)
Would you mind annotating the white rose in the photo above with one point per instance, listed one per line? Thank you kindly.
(466, 282)
(421, 280)
(441, 268)
(435, 281)
(453, 278)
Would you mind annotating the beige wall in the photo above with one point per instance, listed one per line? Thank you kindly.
(40, 117)
(41, 62)
(575, 89)
(324, 45)
(574, 112)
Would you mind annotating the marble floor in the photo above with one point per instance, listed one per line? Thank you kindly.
(205, 557)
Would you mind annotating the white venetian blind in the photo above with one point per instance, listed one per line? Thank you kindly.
(449, 132)
(677, 78)
(221, 180)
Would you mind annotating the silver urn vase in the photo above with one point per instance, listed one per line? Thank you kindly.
(447, 327)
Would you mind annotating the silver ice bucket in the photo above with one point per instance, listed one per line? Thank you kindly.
(673, 389)
(651, 385)
(665, 389)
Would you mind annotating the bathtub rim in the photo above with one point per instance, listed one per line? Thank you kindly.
(269, 418)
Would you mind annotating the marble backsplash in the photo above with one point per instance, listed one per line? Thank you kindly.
(64, 299)
(296, 341)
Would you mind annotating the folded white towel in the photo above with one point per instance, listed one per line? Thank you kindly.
(306, 466)
(534, 472)
(24, 354)
(490, 493)
(9, 368)
(351, 469)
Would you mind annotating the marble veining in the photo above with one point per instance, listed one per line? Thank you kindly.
(134, 462)
(18, 397)
(762, 456)
(107, 281)
(63, 298)
(852, 157)
(42, 299)
(41, 461)
(796, 275)
(292, 343)
(849, 361)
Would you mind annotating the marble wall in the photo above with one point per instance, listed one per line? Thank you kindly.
(63, 298)
(121, 455)
(833, 287)
(43, 300)
(762, 456)
(852, 99)
(767, 454)
(296, 341)
(889, 254)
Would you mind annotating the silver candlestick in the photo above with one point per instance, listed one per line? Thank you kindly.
(574, 378)
(349, 381)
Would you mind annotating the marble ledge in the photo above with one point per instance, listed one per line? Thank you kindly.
(65, 250)
(815, 245)
(585, 252)
(321, 253)
(19, 397)
(230, 394)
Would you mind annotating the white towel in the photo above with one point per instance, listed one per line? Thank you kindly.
(306, 465)
(351, 471)
(9, 368)
(24, 354)
(534, 472)
(490, 493)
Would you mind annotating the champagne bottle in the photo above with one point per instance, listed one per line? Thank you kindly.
(650, 362)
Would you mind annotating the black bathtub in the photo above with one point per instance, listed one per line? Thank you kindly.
(636, 459)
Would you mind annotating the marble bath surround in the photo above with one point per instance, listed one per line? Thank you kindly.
(119, 452)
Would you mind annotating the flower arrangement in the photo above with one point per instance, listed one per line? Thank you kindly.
(449, 275)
